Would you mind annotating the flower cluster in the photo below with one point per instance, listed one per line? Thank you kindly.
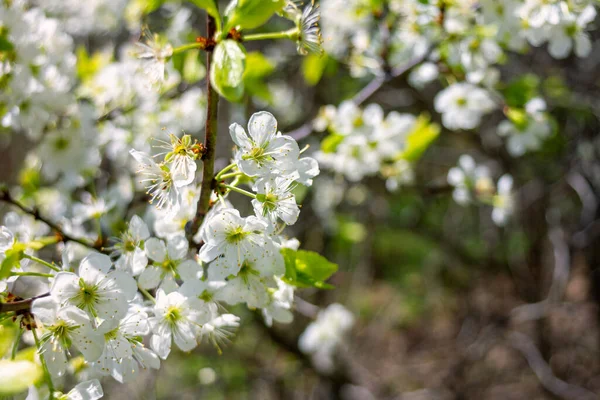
(37, 69)
(102, 306)
(473, 184)
(366, 142)
(323, 337)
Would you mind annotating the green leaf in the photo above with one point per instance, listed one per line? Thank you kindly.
(258, 67)
(208, 5)
(331, 142)
(5, 44)
(193, 69)
(8, 333)
(227, 70)
(250, 14)
(307, 269)
(417, 141)
(313, 67)
(13, 256)
(17, 376)
(289, 256)
(521, 90)
(87, 65)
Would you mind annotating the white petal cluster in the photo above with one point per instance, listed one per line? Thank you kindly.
(38, 71)
(473, 184)
(462, 105)
(322, 338)
(529, 129)
(365, 142)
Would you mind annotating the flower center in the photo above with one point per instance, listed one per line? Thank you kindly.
(111, 335)
(236, 235)
(88, 297)
(173, 315)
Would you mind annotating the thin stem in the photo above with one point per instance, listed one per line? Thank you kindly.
(188, 46)
(15, 348)
(44, 365)
(210, 142)
(289, 34)
(147, 294)
(40, 261)
(242, 191)
(222, 200)
(32, 274)
(227, 168)
(230, 175)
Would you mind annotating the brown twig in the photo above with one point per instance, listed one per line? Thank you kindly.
(64, 237)
(210, 144)
(20, 305)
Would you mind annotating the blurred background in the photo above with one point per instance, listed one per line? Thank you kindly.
(445, 303)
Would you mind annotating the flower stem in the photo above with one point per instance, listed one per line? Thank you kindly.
(32, 274)
(230, 175)
(40, 261)
(44, 365)
(289, 34)
(188, 46)
(242, 191)
(210, 142)
(227, 168)
(147, 294)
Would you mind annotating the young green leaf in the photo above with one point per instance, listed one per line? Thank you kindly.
(250, 14)
(227, 70)
(307, 269)
(423, 134)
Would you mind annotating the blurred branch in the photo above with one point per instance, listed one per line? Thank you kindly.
(65, 237)
(542, 370)
(305, 308)
(365, 93)
(560, 277)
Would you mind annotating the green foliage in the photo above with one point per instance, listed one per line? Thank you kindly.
(11, 260)
(227, 70)
(521, 90)
(331, 142)
(307, 269)
(313, 68)
(8, 333)
(16, 376)
(258, 67)
(208, 5)
(250, 14)
(421, 137)
(192, 70)
(87, 65)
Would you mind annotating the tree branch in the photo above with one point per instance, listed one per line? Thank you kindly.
(210, 143)
(365, 93)
(20, 305)
(65, 237)
(542, 370)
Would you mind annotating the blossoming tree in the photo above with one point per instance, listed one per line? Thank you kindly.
(126, 237)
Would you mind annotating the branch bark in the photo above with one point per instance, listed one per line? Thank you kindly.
(65, 237)
(20, 305)
(210, 142)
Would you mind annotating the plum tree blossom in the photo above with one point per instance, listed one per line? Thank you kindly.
(125, 231)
